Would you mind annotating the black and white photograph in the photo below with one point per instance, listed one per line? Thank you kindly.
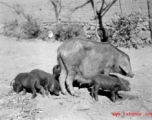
(76, 60)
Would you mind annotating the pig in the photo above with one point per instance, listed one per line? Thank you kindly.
(56, 71)
(89, 58)
(27, 81)
(111, 83)
(48, 81)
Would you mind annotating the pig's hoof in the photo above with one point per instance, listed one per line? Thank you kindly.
(97, 100)
(113, 100)
(64, 92)
(43, 95)
(47, 93)
(120, 97)
(23, 93)
(73, 93)
(76, 94)
(32, 97)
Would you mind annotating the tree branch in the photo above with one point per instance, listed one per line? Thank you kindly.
(107, 7)
(14, 7)
(96, 18)
(120, 6)
(3, 3)
(57, 8)
(54, 4)
(60, 4)
(88, 1)
(101, 9)
(94, 9)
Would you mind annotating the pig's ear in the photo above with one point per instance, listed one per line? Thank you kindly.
(12, 82)
(124, 65)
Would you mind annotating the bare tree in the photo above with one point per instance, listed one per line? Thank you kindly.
(149, 5)
(57, 8)
(120, 6)
(18, 10)
(98, 15)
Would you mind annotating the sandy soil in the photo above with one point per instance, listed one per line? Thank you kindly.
(17, 56)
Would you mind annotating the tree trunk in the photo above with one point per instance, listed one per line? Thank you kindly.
(57, 15)
(96, 30)
(104, 37)
(149, 5)
(57, 8)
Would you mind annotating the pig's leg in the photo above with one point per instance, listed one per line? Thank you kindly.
(118, 96)
(96, 92)
(39, 87)
(92, 91)
(46, 89)
(52, 88)
(24, 91)
(107, 71)
(69, 81)
(113, 96)
(33, 92)
(63, 76)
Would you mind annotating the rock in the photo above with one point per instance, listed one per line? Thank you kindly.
(50, 34)
(144, 34)
(1, 28)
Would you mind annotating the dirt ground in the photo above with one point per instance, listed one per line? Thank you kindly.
(23, 56)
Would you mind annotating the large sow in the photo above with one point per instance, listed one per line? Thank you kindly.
(87, 58)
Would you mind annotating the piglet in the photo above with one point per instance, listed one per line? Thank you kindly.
(27, 81)
(48, 81)
(56, 71)
(111, 83)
